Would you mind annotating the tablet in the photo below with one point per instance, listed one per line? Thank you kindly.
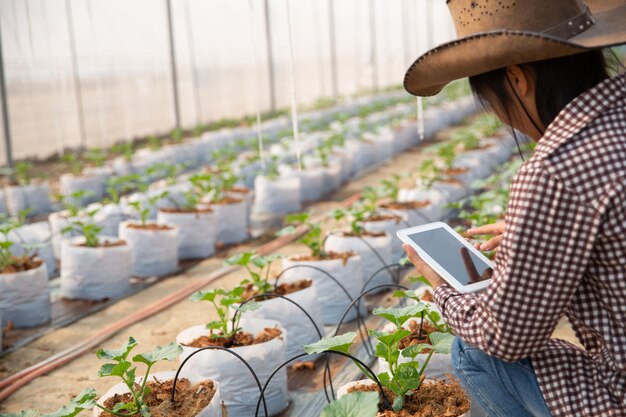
(450, 255)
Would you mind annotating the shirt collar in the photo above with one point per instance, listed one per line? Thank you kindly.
(580, 112)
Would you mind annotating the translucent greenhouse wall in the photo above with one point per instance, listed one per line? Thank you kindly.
(117, 85)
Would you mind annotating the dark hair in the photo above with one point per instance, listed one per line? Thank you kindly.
(558, 81)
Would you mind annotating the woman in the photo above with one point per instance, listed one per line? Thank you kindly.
(539, 66)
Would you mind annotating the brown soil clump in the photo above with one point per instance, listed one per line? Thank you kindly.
(382, 218)
(189, 399)
(414, 337)
(241, 190)
(409, 205)
(329, 257)
(187, 211)
(227, 200)
(451, 181)
(106, 244)
(283, 289)
(456, 171)
(240, 339)
(304, 366)
(363, 234)
(150, 226)
(431, 399)
(21, 264)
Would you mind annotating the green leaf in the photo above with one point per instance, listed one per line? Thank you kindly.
(85, 400)
(114, 369)
(399, 316)
(390, 339)
(356, 404)
(414, 350)
(289, 230)
(117, 354)
(241, 259)
(421, 279)
(208, 295)
(25, 413)
(339, 343)
(297, 218)
(249, 306)
(161, 353)
(442, 342)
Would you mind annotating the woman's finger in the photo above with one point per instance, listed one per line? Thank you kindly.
(488, 229)
(492, 243)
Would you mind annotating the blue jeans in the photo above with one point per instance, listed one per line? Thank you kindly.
(504, 389)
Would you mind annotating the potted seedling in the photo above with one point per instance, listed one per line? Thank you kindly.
(24, 289)
(151, 394)
(405, 389)
(302, 291)
(91, 179)
(276, 195)
(111, 212)
(261, 343)
(413, 213)
(155, 245)
(231, 213)
(198, 227)
(373, 247)
(123, 164)
(93, 267)
(72, 211)
(379, 220)
(345, 267)
(27, 191)
(84, 401)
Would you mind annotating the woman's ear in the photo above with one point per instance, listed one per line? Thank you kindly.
(519, 80)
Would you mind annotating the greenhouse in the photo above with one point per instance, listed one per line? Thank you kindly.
(334, 208)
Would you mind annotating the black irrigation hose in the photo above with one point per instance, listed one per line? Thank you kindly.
(372, 376)
(256, 378)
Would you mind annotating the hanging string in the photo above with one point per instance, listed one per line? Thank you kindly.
(259, 129)
(294, 107)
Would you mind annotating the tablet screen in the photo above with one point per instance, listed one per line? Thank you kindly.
(445, 249)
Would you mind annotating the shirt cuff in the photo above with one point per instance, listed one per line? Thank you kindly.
(442, 293)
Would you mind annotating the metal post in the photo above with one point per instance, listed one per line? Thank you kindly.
(333, 48)
(78, 92)
(373, 48)
(270, 55)
(170, 28)
(6, 123)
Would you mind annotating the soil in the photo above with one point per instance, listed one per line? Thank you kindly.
(363, 234)
(479, 148)
(451, 181)
(227, 200)
(283, 289)
(414, 337)
(304, 366)
(149, 226)
(409, 205)
(240, 190)
(187, 211)
(106, 244)
(382, 218)
(189, 399)
(21, 264)
(427, 296)
(344, 256)
(456, 171)
(431, 399)
(240, 339)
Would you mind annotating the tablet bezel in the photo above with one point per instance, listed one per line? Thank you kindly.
(403, 235)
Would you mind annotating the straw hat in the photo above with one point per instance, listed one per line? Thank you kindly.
(496, 33)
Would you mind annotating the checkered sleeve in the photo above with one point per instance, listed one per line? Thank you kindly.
(542, 258)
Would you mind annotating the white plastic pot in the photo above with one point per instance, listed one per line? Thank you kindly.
(375, 252)
(94, 184)
(197, 232)
(35, 234)
(231, 221)
(247, 195)
(311, 183)
(155, 252)
(95, 273)
(411, 216)
(239, 390)
(332, 177)
(109, 216)
(25, 297)
(34, 197)
(276, 197)
(214, 409)
(390, 227)
(438, 199)
(299, 328)
(332, 299)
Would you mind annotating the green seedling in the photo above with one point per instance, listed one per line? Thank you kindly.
(313, 238)
(23, 175)
(154, 143)
(222, 300)
(429, 173)
(204, 186)
(468, 138)
(146, 207)
(357, 215)
(126, 150)
(118, 186)
(178, 135)
(86, 400)
(433, 316)
(88, 229)
(7, 226)
(355, 404)
(73, 161)
(447, 154)
(96, 157)
(68, 202)
(258, 268)
(120, 366)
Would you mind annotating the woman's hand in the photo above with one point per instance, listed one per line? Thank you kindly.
(495, 229)
(433, 277)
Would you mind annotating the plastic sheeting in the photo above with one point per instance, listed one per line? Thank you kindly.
(25, 297)
(197, 232)
(238, 389)
(214, 409)
(155, 252)
(332, 299)
(95, 273)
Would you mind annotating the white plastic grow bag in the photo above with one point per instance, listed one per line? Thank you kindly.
(299, 328)
(109, 216)
(437, 198)
(343, 390)
(93, 184)
(34, 197)
(214, 409)
(37, 234)
(332, 299)
(276, 197)
(25, 297)
(332, 177)
(155, 252)
(375, 252)
(239, 390)
(247, 195)
(231, 221)
(197, 232)
(95, 273)
(389, 226)
(410, 216)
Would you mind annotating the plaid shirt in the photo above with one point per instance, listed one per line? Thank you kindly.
(563, 253)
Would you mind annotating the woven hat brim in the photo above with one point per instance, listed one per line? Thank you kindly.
(488, 51)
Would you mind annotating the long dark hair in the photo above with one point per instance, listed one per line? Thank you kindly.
(558, 81)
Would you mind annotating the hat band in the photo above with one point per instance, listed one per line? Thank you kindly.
(574, 26)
